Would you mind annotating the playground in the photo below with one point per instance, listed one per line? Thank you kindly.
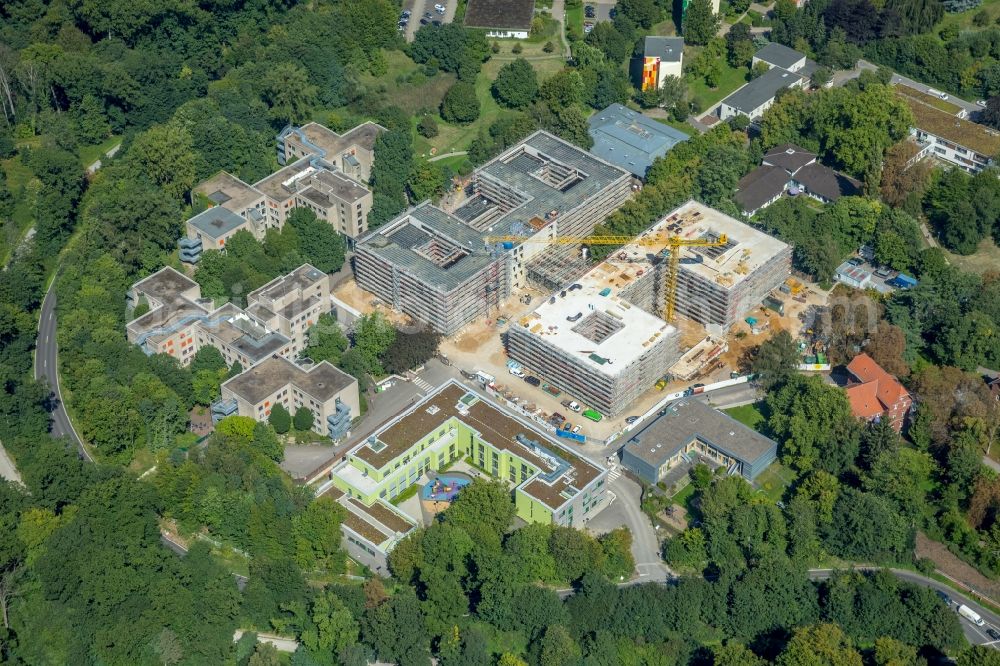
(444, 488)
(437, 494)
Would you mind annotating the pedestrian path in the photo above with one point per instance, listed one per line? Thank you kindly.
(422, 385)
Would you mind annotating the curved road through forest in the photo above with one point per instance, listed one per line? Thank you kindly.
(47, 368)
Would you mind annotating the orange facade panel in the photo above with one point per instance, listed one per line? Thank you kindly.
(650, 73)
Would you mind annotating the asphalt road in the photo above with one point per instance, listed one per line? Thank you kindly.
(47, 368)
(974, 634)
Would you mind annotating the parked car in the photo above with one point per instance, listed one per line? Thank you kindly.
(517, 372)
(406, 14)
(439, 8)
(588, 27)
(993, 633)
(589, 11)
(436, 22)
(631, 419)
(534, 381)
(855, 261)
(424, 20)
(981, 102)
(883, 273)
(661, 384)
(574, 405)
(577, 429)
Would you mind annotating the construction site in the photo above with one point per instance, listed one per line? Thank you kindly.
(716, 284)
(596, 346)
(607, 337)
(441, 267)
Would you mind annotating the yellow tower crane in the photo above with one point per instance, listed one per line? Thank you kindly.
(672, 244)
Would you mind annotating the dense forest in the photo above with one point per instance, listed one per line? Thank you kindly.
(187, 89)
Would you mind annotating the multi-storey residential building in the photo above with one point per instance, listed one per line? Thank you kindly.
(662, 57)
(550, 483)
(325, 172)
(593, 343)
(292, 303)
(180, 322)
(351, 153)
(876, 394)
(329, 393)
(947, 135)
(436, 267)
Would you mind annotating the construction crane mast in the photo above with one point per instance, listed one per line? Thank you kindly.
(672, 244)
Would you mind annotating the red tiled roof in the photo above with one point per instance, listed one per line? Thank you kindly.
(864, 401)
(890, 391)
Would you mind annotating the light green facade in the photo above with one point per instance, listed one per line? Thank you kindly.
(452, 441)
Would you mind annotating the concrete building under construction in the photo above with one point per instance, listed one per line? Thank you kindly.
(716, 286)
(594, 344)
(602, 339)
(436, 266)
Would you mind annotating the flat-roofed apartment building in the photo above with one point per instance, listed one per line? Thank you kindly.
(550, 484)
(940, 131)
(323, 171)
(180, 321)
(262, 338)
(328, 392)
(435, 266)
(593, 343)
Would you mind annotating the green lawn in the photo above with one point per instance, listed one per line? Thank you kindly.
(452, 163)
(774, 481)
(574, 19)
(986, 258)
(684, 496)
(452, 137)
(679, 126)
(963, 20)
(748, 415)
(665, 28)
(90, 154)
(731, 79)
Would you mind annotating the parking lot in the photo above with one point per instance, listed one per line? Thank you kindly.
(418, 10)
(602, 11)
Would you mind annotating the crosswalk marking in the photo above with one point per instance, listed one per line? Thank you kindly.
(613, 474)
(422, 385)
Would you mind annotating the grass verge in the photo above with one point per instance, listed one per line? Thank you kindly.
(731, 79)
